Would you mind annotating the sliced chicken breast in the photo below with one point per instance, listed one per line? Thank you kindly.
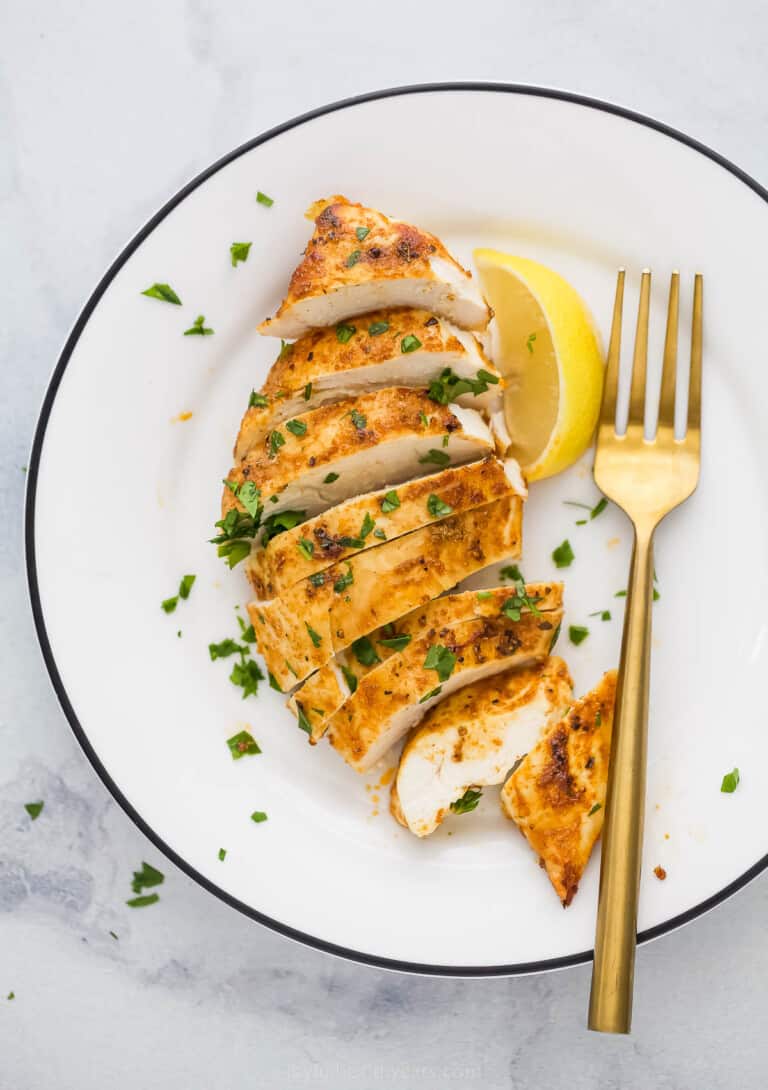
(365, 521)
(359, 260)
(557, 794)
(327, 689)
(385, 348)
(393, 698)
(322, 458)
(303, 628)
(473, 738)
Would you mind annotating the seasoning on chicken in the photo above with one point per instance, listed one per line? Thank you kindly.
(359, 260)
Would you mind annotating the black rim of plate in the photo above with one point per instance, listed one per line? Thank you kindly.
(29, 521)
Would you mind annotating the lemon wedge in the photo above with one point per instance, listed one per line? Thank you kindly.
(547, 348)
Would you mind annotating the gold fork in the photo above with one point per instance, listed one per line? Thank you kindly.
(647, 478)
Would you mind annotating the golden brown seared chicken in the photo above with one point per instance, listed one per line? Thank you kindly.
(556, 796)
(365, 521)
(359, 260)
(321, 458)
(391, 699)
(327, 689)
(384, 348)
(303, 628)
(473, 738)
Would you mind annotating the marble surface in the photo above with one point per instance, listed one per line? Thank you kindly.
(105, 110)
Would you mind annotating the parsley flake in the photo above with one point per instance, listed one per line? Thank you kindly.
(396, 643)
(362, 233)
(330, 478)
(185, 586)
(511, 571)
(242, 744)
(225, 648)
(239, 252)
(262, 198)
(514, 606)
(437, 508)
(257, 400)
(358, 420)
(142, 902)
(410, 343)
(304, 723)
(390, 502)
(305, 547)
(448, 386)
(170, 604)
(275, 440)
(146, 878)
(34, 809)
(350, 677)
(438, 457)
(365, 652)
(375, 329)
(530, 342)
(222, 854)
(316, 638)
(279, 523)
(345, 332)
(296, 427)
(353, 258)
(258, 816)
(468, 801)
(577, 634)
(345, 580)
(163, 292)
(246, 675)
(730, 782)
(603, 614)
(308, 391)
(595, 808)
(563, 555)
(273, 682)
(430, 694)
(441, 660)
(198, 328)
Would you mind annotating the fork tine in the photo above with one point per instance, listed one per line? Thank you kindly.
(694, 386)
(640, 359)
(668, 377)
(611, 381)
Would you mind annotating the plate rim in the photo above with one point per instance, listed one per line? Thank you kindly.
(393, 964)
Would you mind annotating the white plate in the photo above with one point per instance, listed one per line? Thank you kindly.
(122, 498)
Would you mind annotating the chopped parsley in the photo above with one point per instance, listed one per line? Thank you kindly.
(367, 525)
(317, 578)
(345, 580)
(358, 420)
(595, 808)
(362, 233)
(242, 744)
(246, 631)
(514, 606)
(375, 329)
(437, 508)
(345, 332)
(198, 328)
(239, 252)
(603, 614)
(424, 419)
(563, 555)
(279, 523)
(308, 391)
(390, 502)
(146, 878)
(246, 675)
(316, 638)
(430, 694)
(286, 348)
(353, 258)
(482, 595)
(236, 527)
(258, 816)
(365, 652)
(305, 547)
(730, 782)
(598, 509)
(529, 343)
(170, 603)
(441, 660)
(396, 643)
(34, 809)
(380, 535)
(511, 571)
(555, 636)
(142, 902)
(330, 478)
(620, 594)
(273, 682)
(448, 386)
(439, 457)
(262, 198)
(257, 401)
(250, 497)
(304, 723)
(222, 854)
(468, 802)
(577, 634)
(234, 551)
(225, 648)
(410, 343)
(275, 440)
(163, 292)
(185, 586)
(656, 595)
(350, 677)
(296, 427)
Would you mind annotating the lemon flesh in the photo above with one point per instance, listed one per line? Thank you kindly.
(547, 348)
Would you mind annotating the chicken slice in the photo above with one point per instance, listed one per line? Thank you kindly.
(365, 521)
(556, 796)
(385, 348)
(321, 458)
(359, 260)
(327, 689)
(392, 699)
(302, 629)
(473, 738)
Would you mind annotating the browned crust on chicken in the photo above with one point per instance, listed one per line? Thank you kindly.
(375, 587)
(331, 433)
(281, 564)
(336, 256)
(557, 795)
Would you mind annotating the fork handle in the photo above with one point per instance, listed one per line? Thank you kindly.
(610, 1000)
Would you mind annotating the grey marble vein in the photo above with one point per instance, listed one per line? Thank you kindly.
(105, 109)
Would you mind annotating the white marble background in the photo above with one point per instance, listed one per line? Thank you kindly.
(107, 108)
